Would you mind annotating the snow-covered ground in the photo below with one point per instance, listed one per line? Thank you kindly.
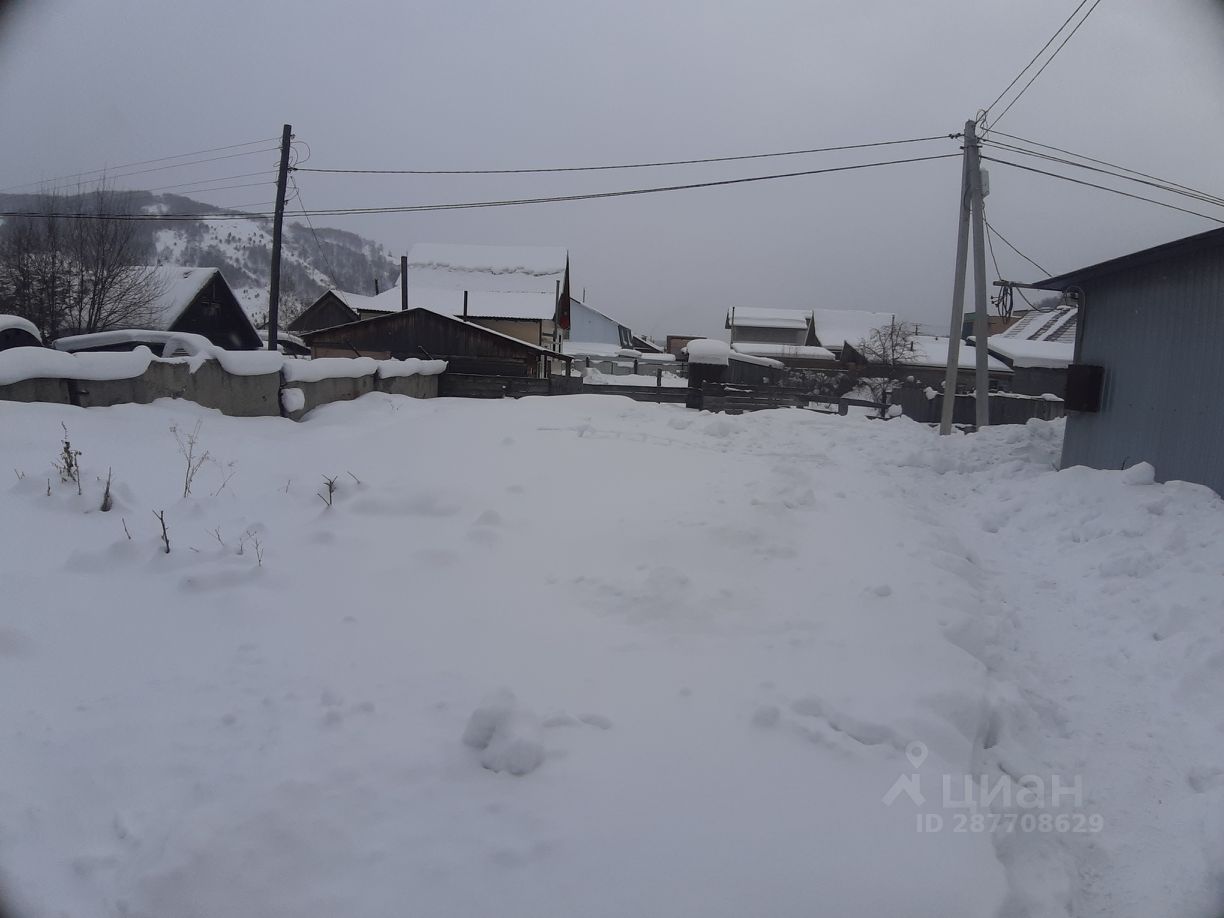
(587, 656)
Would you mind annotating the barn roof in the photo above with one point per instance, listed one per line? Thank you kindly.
(472, 326)
(765, 317)
(1212, 239)
(514, 281)
(1022, 352)
(834, 327)
(177, 288)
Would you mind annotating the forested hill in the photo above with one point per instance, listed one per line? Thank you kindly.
(241, 246)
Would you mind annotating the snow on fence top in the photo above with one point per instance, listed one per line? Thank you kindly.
(708, 351)
(353, 367)
(25, 325)
(21, 363)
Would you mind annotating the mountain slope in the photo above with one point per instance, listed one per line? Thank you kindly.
(241, 247)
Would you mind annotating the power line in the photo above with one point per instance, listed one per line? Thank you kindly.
(1102, 162)
(220, 178)
(1070, 35)
(1126, 194)
(1024, 70)
(143, 162)
(1203, 196)
(418, 208)
(650, 165)
(1003, 239)
(318, 245)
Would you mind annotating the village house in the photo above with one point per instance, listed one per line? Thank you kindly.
(467, 347)
(200, 301)
(1038, 346)
(785, 335)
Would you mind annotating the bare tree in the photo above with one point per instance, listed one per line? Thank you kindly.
(889, 352)
(72, 265)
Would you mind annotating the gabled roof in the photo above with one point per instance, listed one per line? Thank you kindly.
(388, 300)
(932, 351)
(480, 329)
(783, 351)
(835, 327)
(1212, 239)
(177, 287)
(1053, 325)
(1022, 352)
(523, 280)
(766, 317)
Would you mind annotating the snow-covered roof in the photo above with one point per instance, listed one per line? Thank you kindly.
(757, 361)
(489, 304)
(834, 327)
(590, 348)
(1055, 325)
(793, 351)
(177, 287)
(525, 279)
(1021, 352)
(764, 317)
(7, 322)
(387, 301)
(932, 351)
(708, 350)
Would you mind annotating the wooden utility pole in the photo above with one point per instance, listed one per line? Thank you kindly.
(282, 178)
(403, 283)
(970, 211)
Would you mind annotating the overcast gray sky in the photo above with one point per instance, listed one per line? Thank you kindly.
(459, 84)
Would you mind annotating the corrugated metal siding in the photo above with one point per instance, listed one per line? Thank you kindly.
(1159, 332)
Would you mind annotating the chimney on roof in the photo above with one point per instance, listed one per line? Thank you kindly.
(403, 283)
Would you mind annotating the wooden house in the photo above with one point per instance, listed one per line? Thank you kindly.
(199, 301)
(339, 307)
(417, 332)
(520, 291)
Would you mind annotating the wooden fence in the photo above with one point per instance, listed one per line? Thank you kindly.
(463, 385)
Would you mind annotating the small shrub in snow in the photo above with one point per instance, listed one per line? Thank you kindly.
(330, 484)
(107, 501)
(68, 464)
(189, 449)
(161, 518)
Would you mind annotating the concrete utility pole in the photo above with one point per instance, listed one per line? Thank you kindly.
(971, 212)
(282, 178)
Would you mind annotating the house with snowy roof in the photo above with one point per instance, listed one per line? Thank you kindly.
(339, 307)
(778, 334)
(925, 362)
(1039, 347)
(521, 291)
(201, 302)
(834, 328)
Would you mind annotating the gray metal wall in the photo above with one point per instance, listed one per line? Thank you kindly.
(1159, 332)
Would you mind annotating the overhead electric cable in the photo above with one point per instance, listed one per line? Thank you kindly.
(1070, 35)
(647, 165)
(1126, 194)
(143, 162)
(417, 208)
(1024, 69)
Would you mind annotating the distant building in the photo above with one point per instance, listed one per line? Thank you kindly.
(589, 325)
(336, 307)
(675, 344)
(833, 328)
(785, 335)
(926, 362)
(467, 347)
(1148, 370)
(521, 291)
(199, 301)
(1039, 346)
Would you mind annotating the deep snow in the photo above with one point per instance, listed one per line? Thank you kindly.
(589, 656)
